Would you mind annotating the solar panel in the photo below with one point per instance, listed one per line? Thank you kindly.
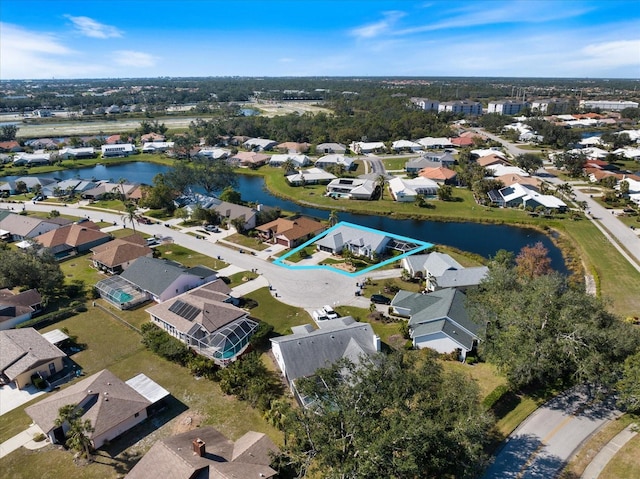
(184, 310)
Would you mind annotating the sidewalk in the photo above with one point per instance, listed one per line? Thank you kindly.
(25, 438)
(605, 455)
(249, 286)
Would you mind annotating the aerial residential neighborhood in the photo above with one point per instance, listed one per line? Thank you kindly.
(405, 244)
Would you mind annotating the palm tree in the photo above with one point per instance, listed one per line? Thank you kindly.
(288, 166)
(333, 218)
(380, 183)
(130, 214)
(79, 430)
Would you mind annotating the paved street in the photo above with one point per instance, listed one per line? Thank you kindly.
(303, 288)
(541, 446)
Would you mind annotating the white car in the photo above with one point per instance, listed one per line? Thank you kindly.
(331, 314)
(319, 315)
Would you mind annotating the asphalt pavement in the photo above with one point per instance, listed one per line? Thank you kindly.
(541, 446)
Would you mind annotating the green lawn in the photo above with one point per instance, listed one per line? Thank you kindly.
(281, 316)
(247, 241)
(188, 257)
(240, 277)
(395, 163)
(625, 464)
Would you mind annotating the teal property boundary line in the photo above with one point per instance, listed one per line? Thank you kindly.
(422, 245)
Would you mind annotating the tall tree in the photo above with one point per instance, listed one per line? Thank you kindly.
(333, 218)
(395, 416)
(381, 182)
(213, 175)
(533, 261)
(529, 162)
(78, 429)
(629, 385)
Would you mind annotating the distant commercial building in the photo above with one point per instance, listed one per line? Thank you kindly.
(506, 107)
(461, 106)
(426, 104)
(550, 106)
(608, 105)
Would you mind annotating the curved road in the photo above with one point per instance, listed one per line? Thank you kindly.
(302, 288)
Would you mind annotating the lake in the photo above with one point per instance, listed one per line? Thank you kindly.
(479, 238)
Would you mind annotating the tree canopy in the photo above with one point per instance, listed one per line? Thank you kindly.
(397, 416)
(540, 330)
(31, 269)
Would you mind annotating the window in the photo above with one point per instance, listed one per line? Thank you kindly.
(136, 414)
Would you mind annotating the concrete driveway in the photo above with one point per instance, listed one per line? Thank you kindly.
(11, 397)
(541, 446)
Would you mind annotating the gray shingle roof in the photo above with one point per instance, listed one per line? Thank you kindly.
(462, 277)
(156, 275)
(23, 349)
(459, 335)
(305, 352)
(437, 263)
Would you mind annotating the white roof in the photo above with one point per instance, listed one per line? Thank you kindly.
(633, 134)
(54, 337)
(634, 185)
(157, 144)
(412, 187)
(628, 152)
(312, 174)
(592, 140)
(430, 141)
(405, 144)
(527, 192)
(337, 159)
(367, 146)
(147, 388)
(487, 152)
(499, 170)
(261, 142)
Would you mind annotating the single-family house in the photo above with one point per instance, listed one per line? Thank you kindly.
(111, 405)
(406, 145)
(72, 239)
(42, 144)
(117, 255)
(29, 227)
(491, 160)
(231, 211)
(510, 179)
(259, 144)
(435, 143)
(438, 320)
(290, 232)
(364, 147)
(206, 319)
(18, 308)
(25, 353)
(331, 148)
(353, 188)
(298, 160)
(461, 141)
(302, 353)
(157, 146)
(151, 278)
(334, 159)
(407, 190)
(11, 146)
(151, 137)
(32, 159)
(527, 196)
(101, 189)
(249, 159)
(293, 147)
(480, 152)
(217, 153)
(360, 242)
(432, 264)
(206, 453)
(117, 150)
(497, 170)
(77, 153)
(312, 176)
(440, 175)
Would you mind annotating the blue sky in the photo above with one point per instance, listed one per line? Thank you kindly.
(150, 38)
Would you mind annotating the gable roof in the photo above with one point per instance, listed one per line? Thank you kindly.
(173, 457)
(23, 349)
(439, 173)
(460, 278)
(436, 263)
(156, 275)
(108, 402)
(22, 225)
(306, 351)
(344, 234)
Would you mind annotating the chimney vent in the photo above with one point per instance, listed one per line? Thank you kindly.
(199, 447)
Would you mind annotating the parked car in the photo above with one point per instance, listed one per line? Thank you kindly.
(331, 314)
(380, 299)
(152, 241)
(319, 315)
(212, 228)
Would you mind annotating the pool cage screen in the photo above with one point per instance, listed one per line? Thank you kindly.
(120, 292)
(225, 344)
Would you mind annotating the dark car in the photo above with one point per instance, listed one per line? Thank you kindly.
(380, 299)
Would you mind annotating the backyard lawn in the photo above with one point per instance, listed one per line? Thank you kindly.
(281, 316)
(188, 257)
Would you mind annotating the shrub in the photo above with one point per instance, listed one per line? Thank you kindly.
(39, 437)
(38, 382)
(261, 336)
(494, 396)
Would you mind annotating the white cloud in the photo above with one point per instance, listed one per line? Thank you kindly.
(91, 28)
(130, 58)
(378, 28)
(612, 54)
(286, 60)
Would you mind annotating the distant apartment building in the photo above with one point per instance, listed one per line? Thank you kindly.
(608, 105)
(465, 107)
(426, 104)
(506, 107)
(550, 106)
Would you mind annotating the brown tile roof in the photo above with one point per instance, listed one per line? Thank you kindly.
(23, 349)
(31, 297)
(110, 402)
(462, 141)
(149, 137)
(9, 145)
(292, 229)
(492, 160)
(120, 251)
(439, 173)
(293, 146)
(245, 157)
(72, 235)
(174, 457)
(510, 179)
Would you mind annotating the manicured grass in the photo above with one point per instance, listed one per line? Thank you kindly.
(377, 286)
(512, 414)
(295, 258)
(108, 205)
(281, 316)
(80, 268)
(619, 281)
(625, 464)
(485, 374)
(239, 278)
(395, 163)
(188, 257)
(384, 330)
(246, 241)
